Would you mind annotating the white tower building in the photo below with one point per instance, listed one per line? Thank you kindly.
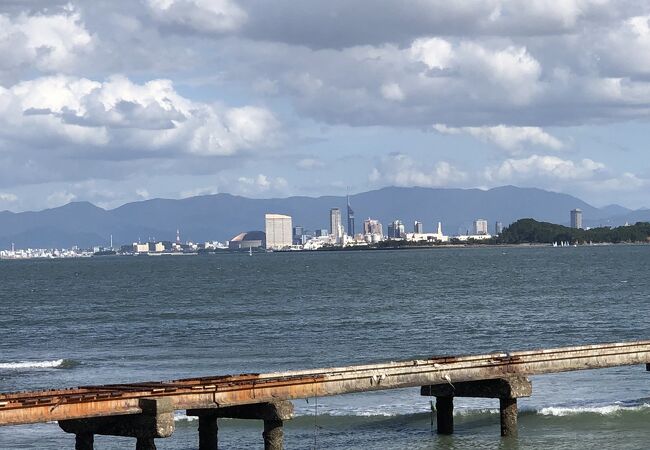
(279, 233)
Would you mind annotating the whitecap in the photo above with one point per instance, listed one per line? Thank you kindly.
(25, 365)
(604, 410)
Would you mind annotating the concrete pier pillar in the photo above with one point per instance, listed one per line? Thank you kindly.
(445, 414)
(647, 367)
(145, 443)
(156, 420)
(84, 441)
(273, 435)
(507, 390)
(272, 413)
(208, 432)
(508, 412)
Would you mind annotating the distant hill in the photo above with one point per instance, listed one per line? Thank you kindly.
(223, 216)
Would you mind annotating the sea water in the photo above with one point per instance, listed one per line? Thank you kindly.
(65, 323)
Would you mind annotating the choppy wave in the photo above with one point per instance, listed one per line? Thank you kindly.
(36, 365)
(359, 415)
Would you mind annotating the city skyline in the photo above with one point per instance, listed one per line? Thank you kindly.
(280, 234)
(220, 217)
(147, 99)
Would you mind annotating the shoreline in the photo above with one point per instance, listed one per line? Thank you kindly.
(338, 249)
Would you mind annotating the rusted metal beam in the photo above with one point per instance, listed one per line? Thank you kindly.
(211, 392)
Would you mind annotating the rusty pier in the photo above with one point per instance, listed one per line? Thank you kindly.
(145, 411)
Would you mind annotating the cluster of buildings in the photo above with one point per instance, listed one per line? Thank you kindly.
(153, 247)
(42, 253)
(280, 234)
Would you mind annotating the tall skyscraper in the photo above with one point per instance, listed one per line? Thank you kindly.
(350, 219)
(418, 228)
(480, 227)
(372, 226)
(396, 229)
(576, 218)
(498, 228)
(335, 224)
(278, 231)
(298, 235)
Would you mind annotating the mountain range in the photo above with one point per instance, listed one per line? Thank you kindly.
(222, 216)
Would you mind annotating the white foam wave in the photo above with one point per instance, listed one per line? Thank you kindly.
(22, 365)
(604, 410)
(557, 411)
(367, 413)
(184, 418)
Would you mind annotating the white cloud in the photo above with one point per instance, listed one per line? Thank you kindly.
(6, 197)
(142, 193)
(122, 115)
(209, 190)
(626, 182)
(436, 53)
(60, 198)
(544, 167)
(399, 169)
(205, 16)
(47, 42)
(612, 49)
(392, 91)
(507, 137)
(261, 184)
(512, 69)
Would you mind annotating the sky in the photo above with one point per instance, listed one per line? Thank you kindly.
(112, 101)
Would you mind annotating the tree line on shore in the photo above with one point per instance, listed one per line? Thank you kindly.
(531, 231)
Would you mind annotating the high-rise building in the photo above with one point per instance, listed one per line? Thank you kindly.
(278, 231)
(335, 224)
(576, 218)
(498, 228)
(396, 229)
(418, 228)
(480, 227)
(350, 219)
(298, 233)
(372, 226)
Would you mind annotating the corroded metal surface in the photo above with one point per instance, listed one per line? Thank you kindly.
(221, 391)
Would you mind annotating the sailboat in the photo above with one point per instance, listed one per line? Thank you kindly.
(250, 251)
